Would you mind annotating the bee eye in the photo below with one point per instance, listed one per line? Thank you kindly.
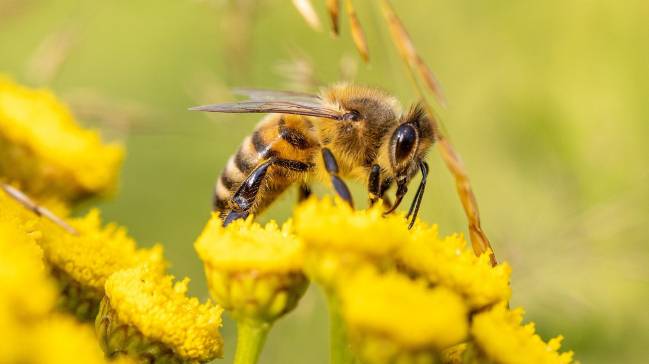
(404, 140)
(352, 116)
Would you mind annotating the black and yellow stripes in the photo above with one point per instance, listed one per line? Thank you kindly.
(289, 140)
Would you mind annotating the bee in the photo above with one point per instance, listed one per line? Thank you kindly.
(347, 131)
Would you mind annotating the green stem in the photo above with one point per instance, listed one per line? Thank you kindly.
(340, 352)
(250, 341)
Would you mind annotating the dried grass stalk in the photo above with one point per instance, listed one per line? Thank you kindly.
(305, 8)
(358, 35)
(29, 204)
(333, 6)
(415, 65)
(408, 51)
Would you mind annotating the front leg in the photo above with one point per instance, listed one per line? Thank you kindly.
(332, 168)
(373, 187)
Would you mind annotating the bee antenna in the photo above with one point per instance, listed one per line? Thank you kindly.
(419, 195)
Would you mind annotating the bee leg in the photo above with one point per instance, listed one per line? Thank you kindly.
(332, 168)
(385, 185)
(373, 188)
(304, 192)
(235, 215)
(245, 196)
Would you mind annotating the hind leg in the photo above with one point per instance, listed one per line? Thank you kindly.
(249, 195)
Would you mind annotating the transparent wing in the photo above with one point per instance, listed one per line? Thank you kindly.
(295, 107)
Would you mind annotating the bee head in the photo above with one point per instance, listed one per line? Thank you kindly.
(409, 143)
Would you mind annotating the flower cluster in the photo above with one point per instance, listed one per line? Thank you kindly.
(55, 268)
(44, 151)
(143, 310)
(395, 295)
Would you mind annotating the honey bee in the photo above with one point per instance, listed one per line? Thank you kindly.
(348, 131)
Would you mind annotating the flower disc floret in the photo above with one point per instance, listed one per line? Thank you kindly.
(450, 263)
(329, 224)
(503, 339)
(245, 245)
(404, 312)
(96, 253)
(161, 311)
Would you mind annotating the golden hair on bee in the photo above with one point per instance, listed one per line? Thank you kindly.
(348, 131)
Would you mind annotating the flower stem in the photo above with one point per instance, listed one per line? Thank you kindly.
(340, 352)
(250, 341)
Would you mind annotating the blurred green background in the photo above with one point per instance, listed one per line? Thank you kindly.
(548, 106)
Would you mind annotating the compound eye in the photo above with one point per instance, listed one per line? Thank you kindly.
(404, 141)
(353, 115)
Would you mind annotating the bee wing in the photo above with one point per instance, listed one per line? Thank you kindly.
(297, 107)
(260, 94)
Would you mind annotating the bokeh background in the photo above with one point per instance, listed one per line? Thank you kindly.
(548, 104)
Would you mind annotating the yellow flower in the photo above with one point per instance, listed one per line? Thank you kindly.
(144, 309)
(25, 288)
(251, 270)
(450, 263)
(502, 338)
(83, 263)
(391, 318)
(60, 339)
(43, 148)
(338, 238)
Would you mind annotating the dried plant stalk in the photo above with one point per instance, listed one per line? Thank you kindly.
(358, 35)
(453, 162)
(333, 6)
(305, 8)
(47, 60)
(408, 51)
(415, 65)
(29, 204)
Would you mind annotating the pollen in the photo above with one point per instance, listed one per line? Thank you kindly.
(44, 150)
(161, 310)
(503, 339)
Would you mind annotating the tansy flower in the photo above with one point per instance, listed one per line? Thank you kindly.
(146, 314)
(338, 238)
(82, 263)
(26, 292)
(392, 319)
(448, 262)
(255, 273)
(46, 152)
(502, 339)
(60, 339)
(25, 288)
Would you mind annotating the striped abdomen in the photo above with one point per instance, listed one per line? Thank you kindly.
(289, 140)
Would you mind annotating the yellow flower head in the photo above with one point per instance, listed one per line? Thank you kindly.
(502, 338)
(25, 288)
(245, 245)
(251, 270)
(338, 238)
(60, 339)
(43, 148)
(391, 317)
(96, 253)
(448, 262)
(160, 312)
